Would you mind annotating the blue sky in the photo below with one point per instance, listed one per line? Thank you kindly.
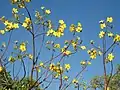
(88, 12)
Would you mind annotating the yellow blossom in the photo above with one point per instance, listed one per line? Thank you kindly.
(110, 34)
(27, 0)
(1, 68)
(67, 66)
(88, 62)
(52, 66)
(2, 32)
(61, 21)
(67, 52)
(11, 59)
(72, 27)
(14, 10)
(74, 81)
(110, 56)
(109, 19)
(57, 45)
(41, 64)
(15, 25)
(58, 34)
(22, 47)
(117, 38)
(101, 34)
(47, 11)
(79, 24)
(51, 31)
(79, 29)
(27, 20)
(14, 1)
(102, 25)
(82, 62)
(92, 53)
(83, 47)
(30, 56)
(65, 78)
(6, 22)
(24, 25)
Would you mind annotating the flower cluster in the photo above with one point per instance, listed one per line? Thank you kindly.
(56, 68)
(92, 53)
(104, 24)
(20, 3)
(60, 30)
(85, 62)
(110, 57)
(8, 25)
(117, 38)
(22, 47)
(74, 28)
(27, 23)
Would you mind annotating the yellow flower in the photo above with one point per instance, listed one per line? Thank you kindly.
(67, 52)
(57, 46)
(117, 38)
(82, 62)
(30, 56)
(14, 10)
(102, 25)
(2, 32)
(22, 47)
(79, 24)
(51, 31)
(79, 29)
(1, 68)
(67, 66)
(9, 25)
(109, 19)
(83, 47)
(41, 64)
(27, 20)
(58, 34)
(65, 78)
(11, 59)
(52, 66)
(101, 34)
(72, 27)
(28, 0)
(14, 1)
(110, 34)
(24, 25)
(47, 11)
(88, 62)
(15, 25)
(110, 56)
(61, 21)
(74, 81)
(92, 53)
(6, 22)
